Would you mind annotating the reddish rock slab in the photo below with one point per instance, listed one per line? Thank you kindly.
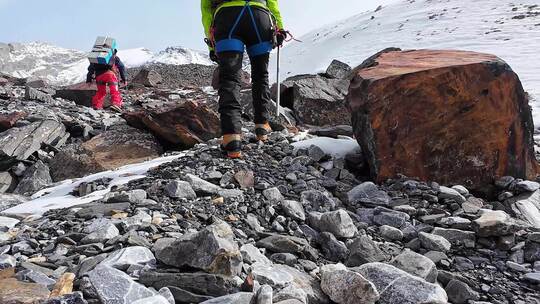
(15, 292)
(454, 117)
(8, 120)
(183, 124)
(80, 93)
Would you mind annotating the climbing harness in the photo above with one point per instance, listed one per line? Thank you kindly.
(236, 45)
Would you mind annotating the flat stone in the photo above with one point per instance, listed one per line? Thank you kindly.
(115, 287)
(339, 223)
(457, 237)
(195, 285)
(461, 189)
(294, 209)
(273, 195)
(344, 286)
(127, 257)
(434, 242)
(364, 250)
(533, 277)
(461, 293)
(527, 186)
(7, 261)
(398, 287)
(417, 265)
(99, 231)
(451, 194)
(283, 243)
(212, 249)
(391, 233)
(237, 298)
(368, 193)
(252, 254)
(472, 205)
(456, 222)
(201, 186)
(274, 275)
(180, 189)
(494, 223)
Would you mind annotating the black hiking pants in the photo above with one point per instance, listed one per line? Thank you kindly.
(230, 67)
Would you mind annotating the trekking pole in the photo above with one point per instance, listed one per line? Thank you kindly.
(278, 98)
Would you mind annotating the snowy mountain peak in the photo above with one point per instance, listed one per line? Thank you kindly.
(62, 66)
(508, 29)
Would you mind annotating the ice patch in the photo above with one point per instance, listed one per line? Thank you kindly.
(59, 196)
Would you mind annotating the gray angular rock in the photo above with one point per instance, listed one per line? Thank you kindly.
(398, 287)
(237, 298)
(135, 222)
(180, 189)
(294, 209)
(494, 223)
(7, 261)
(100, 231)
(364, 250)
(283, 243)
(368, 193)
(201, 186)
(417, 265)
(451, 194)
(333, 249)
(132, 196)
(115, 287)
(461, 293)
(34, 94)
(527, 186)
(196, 285)
(20, 143)
(276, 275)
(212, 249)
(457, 237)
(338, 69)
(317, 201)
(434, 242)
(339, 223)
(34, 179)
(124, 258)
(391, 233)
(273, 195)
(526, 207)
(264, 295)
(456, 222)
(148, 78)
(252, 254)
(157, 299)
(344, 286)
(7, 182)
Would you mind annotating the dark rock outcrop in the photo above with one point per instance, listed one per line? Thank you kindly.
(184, 124)
(119, 146)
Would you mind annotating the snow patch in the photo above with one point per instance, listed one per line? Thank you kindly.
(338, 148)
(59, 196)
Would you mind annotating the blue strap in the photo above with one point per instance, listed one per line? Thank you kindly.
(260, 49)
(238, 19)
(230, 45)
(254, 24)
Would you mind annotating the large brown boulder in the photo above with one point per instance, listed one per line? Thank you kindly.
(80, 93)
(451, 116)
(184, 124)
(121, 145)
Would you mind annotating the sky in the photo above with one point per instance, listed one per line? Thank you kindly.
(154, 24)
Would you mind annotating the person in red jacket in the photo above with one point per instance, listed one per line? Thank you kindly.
(107, 75)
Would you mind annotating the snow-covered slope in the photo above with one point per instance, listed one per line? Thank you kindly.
(60, 66)
(507, 28)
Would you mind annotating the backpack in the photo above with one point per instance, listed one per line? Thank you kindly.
(103, 51)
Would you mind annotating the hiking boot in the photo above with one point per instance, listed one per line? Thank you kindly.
(116, 108)
(262, 131)
(232, 144)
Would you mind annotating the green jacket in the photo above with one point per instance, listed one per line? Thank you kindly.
(208, 12)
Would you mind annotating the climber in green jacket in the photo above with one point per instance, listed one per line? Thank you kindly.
(231, 27)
